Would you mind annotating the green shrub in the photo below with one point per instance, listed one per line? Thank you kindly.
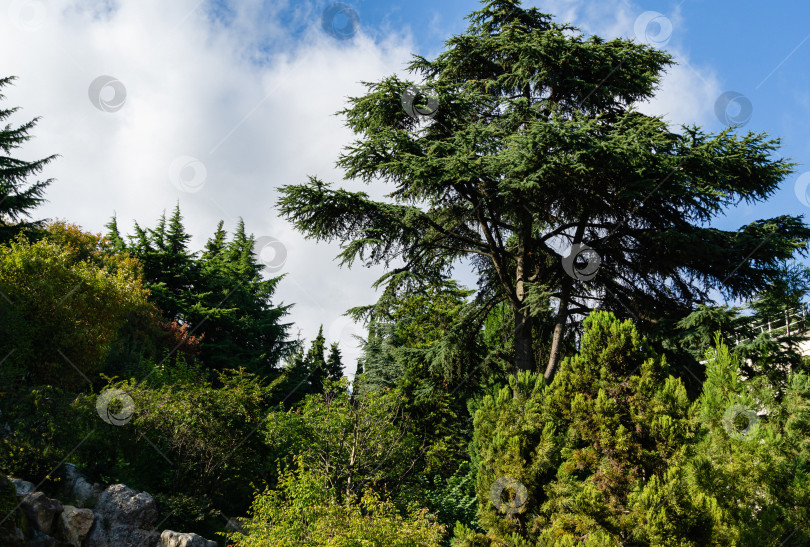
(305, 511)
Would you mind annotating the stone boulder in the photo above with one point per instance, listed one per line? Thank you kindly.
(23, 487)
(125, 506)
(38, 539)
(170, 538)
(123, 518)
(77, 487)
(118, 535)
(74, 524)
(40, 510)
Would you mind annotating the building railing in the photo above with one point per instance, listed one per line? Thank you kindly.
(792, 322)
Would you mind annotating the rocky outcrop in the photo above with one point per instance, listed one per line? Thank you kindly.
(23, 487)
(176, 539)
(123, 518)
(40, 510)
(74, 524)
(120, 517)
(127, 507)
(117, 535)
(78, 489)
(38, 539)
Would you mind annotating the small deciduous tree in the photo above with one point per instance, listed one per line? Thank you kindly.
(354, 440)
(63, 300)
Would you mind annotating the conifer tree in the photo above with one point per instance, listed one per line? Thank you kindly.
(169, 267)
(316, 363)
(18, 196)
(220, 295)
(114, 235)
(334, 364)
(602, 451)
(534, 147)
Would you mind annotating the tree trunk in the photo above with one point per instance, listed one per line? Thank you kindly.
(562, 314)
(524, 352)
(559, 332)
(524, 323)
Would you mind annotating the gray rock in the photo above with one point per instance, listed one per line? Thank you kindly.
(77, 486)
(170, 538)
(123, 518)
(103, 534)
(40, 510)
(23, 487)
(121, 505)
(74, 524)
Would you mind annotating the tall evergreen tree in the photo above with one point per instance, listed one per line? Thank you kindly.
(219, 295)
(334, 363)
(17, 195)
(169, 267)
(114, 235)
(535, 147)
(316, 363)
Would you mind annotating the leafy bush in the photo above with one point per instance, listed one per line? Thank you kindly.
(63, 302)
(35, 431)
(305, 511)
(201, 435)
(614, 453)
(356, 440)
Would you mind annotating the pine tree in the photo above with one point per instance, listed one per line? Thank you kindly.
(215, 246)
(17, 196)
(169, 267)
(254, 324)
(316, 363)
(602, 451)
(114, 235)
(334, 364)
(219, 295)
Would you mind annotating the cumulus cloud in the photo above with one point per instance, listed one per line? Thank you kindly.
(221, 107)
(215, 105)
(687, 93)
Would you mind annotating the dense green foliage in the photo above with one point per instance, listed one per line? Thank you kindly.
(614, 453)
(304, 511)
(64, 300)
(220, 294)
(352, 441)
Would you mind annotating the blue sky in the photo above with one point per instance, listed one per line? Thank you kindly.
(222, 101)
(759, 50)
